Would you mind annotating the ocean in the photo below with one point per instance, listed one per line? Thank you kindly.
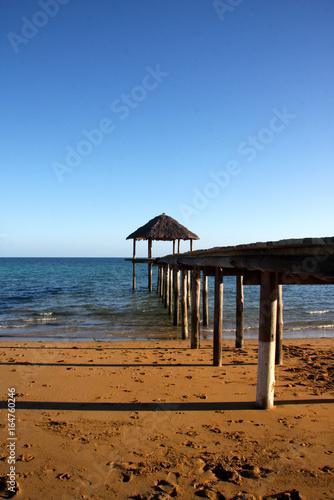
(92, 298)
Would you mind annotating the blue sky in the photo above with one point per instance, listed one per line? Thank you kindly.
(219, 114)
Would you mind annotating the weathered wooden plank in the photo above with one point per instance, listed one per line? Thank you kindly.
(218, 318)
(296, 265)
(195, 307)
(267, 333)
(239, 334)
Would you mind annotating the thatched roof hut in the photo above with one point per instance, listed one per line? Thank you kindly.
(163, 228)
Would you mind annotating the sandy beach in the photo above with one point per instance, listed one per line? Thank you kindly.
(155, 420)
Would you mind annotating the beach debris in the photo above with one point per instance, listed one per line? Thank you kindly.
(25, 458)
(64, 477)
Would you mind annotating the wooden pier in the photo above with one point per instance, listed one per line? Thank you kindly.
(272, 264)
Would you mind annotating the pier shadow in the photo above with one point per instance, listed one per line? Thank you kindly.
(155, 407)
(103, 348)
(123, 365)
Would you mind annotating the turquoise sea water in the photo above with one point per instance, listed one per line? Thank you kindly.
(87, 298)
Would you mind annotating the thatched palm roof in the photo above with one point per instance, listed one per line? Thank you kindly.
(163, 228)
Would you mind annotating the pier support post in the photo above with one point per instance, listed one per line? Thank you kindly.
(267, 333)
(189, 288)
(195, 307)
(176, 282)
(161, 281)
(279, 327)
(205, 299)
(218, 318)
(239, 334)
(170, 290)
(158, 281)
(166, 287)
(184, 303)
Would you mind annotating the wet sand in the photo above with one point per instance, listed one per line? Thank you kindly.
(155, 420)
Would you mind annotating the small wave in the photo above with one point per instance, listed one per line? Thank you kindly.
(313, 327)
(12, 326)
(319, 312)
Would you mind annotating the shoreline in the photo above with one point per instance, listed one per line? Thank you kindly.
(98, 420)
(311, 333)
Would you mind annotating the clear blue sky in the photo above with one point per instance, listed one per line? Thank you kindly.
(219, 114)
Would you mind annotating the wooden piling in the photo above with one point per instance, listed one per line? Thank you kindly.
(184, 303)
(218, 318)
(176, 306)
(205, 299)
(166, 291)
(170, 291)
(158, 281)
(150, 265)
(134, 266)
(267, 333)
(279, 327)
(195, 307)
(189, 288)
(239, 334)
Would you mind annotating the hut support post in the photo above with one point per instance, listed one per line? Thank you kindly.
(279, 327)
(150, 265)
(195, 307)
(218, 318)
(134, 266)
(205, 300)
(178, 245)
(239, 334)
(176, 282)
(184, 302)
(267, 333)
